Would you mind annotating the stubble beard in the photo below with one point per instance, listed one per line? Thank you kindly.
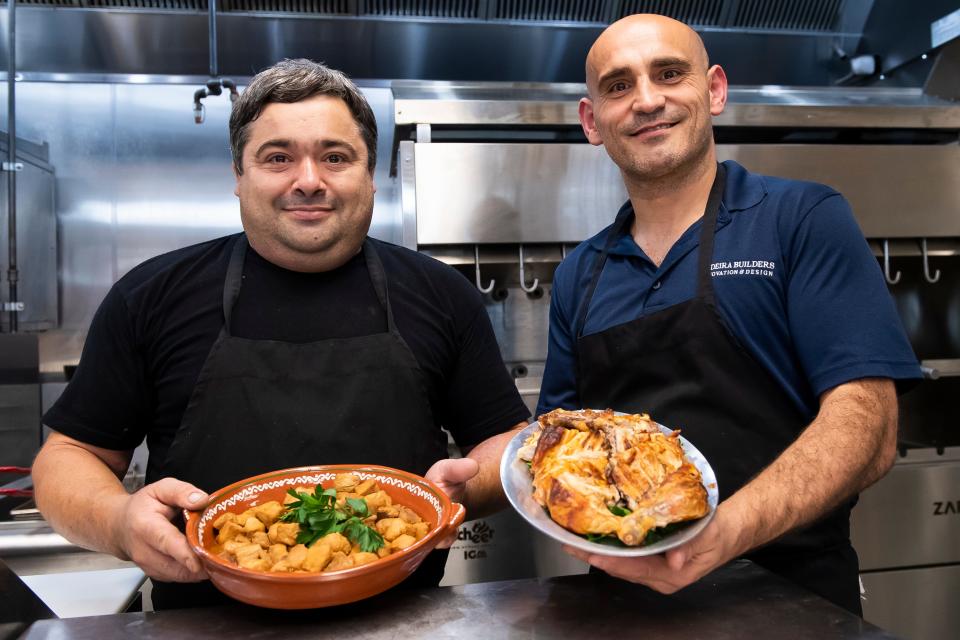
(659, 172)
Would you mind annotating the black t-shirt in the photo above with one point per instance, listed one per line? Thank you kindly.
(152, 333)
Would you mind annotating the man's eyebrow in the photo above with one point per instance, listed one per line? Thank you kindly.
(672, 62)
(658, 63)
(328, 143)
(284, 143)
(613, 73)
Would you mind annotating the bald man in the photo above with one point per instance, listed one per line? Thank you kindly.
(747, 310)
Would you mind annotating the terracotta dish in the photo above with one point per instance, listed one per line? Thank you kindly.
(312, 590)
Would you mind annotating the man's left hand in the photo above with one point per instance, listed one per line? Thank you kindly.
(677, 568)
(452, 475)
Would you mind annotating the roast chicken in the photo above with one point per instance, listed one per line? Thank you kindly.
(589, 466)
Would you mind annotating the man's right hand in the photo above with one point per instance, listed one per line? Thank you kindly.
(145, 535)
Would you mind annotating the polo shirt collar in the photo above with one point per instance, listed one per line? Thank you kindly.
(743, 190)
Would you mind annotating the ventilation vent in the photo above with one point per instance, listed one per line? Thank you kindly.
(314, 7)
(424, 8)
(784, 15)
(317, 7)
(697, 13)
(743, 15)
(51, 3)
(174, 5)
(812, 15)
(188, 5)
(551, 10)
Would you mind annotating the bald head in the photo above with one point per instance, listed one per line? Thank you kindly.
(652, 99)
(654, 35)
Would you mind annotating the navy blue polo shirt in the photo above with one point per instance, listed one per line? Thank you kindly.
(793, 276)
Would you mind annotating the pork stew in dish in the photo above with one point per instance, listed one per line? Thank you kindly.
(318, 530)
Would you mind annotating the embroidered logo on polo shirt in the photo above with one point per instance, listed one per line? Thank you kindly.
(743, 268)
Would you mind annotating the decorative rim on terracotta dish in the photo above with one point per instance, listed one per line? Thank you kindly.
(197, 521)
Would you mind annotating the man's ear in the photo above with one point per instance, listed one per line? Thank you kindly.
(588, 123)
(236, 177)
(717, 85)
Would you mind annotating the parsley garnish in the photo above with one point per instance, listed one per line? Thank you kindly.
(318, 515)
(600, 537)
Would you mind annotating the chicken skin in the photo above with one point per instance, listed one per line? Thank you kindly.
(586, 462)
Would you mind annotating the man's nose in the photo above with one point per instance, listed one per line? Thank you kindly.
(309, 179)
(647, 97)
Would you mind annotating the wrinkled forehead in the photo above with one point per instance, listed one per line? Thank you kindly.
(641, 44)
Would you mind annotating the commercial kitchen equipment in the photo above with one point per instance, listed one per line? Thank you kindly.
(498, 181)
(36, 235)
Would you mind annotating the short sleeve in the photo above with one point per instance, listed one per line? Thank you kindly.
(842, 320)
(481, 400)
(105, 403)
(559, 386)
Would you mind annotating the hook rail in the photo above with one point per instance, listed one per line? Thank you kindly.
(926, 264)
(886, 265)
(523, 276)
(476, 266)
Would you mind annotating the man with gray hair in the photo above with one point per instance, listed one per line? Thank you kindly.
(282, 346)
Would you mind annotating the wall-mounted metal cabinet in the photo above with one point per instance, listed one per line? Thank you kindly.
(36, 238)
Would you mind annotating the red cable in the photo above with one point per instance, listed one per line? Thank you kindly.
(17, 493)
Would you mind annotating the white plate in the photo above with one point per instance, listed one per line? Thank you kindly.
(518, 485)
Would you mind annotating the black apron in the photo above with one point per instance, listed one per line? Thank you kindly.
(685, 368)
(263, 405)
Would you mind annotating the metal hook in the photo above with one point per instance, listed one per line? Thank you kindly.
(926, 264)
(886, 264)
(563, 252)
(476, 266)
(523, 277)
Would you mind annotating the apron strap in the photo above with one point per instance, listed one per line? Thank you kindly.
(231, 284)
(707, 233)
(623, 216)
(704, 284)
(379, 279)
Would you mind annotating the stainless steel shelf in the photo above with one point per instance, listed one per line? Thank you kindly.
(493, 104)
(909, 247)
(949, 368)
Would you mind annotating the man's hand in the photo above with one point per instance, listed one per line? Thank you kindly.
(146, 536)
(452, 475)
(679, 567)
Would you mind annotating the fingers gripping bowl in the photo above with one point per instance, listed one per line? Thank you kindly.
(310, 590)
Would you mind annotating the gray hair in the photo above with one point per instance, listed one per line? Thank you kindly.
(293, 81)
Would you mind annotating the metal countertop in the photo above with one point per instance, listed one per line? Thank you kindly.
(17, 604)
(737, 601)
